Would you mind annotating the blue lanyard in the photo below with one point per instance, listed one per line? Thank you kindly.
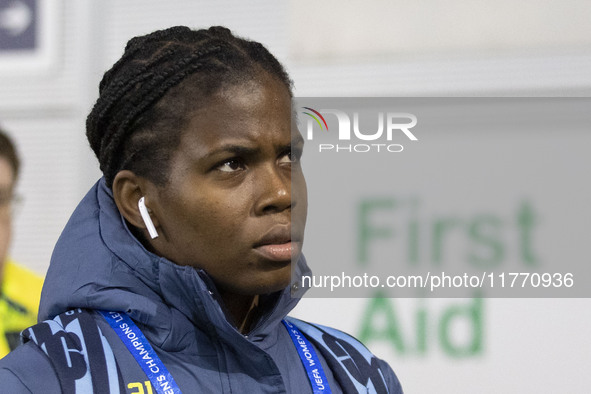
(309, 359)
(133, 338)
(146, 357)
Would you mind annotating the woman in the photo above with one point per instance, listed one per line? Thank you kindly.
(175, 271)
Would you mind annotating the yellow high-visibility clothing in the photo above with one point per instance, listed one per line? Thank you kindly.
(19, 302)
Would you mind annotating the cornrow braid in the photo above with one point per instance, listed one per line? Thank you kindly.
(148, 93)
(146, 98)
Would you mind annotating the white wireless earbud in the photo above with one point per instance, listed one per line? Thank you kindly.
(147, 219)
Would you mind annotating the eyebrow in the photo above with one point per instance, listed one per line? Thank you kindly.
(241, 150)
(235, 149)
(238, 150)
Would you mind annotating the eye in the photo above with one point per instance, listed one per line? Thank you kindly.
(231, 165)
(291, 156)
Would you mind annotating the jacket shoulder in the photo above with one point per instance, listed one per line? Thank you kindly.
(28, 370)
(77, 351)
(355, 367)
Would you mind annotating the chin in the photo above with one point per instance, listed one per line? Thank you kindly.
(268, 283)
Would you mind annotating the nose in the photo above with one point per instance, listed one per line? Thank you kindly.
(273, 190)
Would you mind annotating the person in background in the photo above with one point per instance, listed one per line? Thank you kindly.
(20, 289)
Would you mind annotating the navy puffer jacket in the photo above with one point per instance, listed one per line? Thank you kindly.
(99, 264)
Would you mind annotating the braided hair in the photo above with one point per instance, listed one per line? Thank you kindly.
(145, 99)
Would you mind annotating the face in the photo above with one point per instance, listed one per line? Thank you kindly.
(235, 204)
(6, 190)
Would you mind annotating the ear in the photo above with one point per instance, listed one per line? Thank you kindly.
(128, 188)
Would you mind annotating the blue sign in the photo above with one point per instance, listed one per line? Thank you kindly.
(18, 25)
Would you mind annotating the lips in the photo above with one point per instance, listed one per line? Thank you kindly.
(277, 245)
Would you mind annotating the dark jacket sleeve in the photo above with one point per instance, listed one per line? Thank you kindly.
(28, 370)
